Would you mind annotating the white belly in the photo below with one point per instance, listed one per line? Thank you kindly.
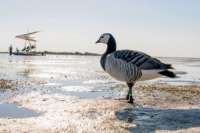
(150, 74)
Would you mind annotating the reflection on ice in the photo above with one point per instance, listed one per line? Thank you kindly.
(52, 84)
(77, 88)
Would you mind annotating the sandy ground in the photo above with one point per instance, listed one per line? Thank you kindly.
(161, 109)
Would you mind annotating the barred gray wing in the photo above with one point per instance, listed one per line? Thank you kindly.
(141, 60)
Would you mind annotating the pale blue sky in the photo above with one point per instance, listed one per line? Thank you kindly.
(158, 27)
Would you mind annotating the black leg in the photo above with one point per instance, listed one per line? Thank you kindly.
(130, 94)
(127, 96)
(131, 100)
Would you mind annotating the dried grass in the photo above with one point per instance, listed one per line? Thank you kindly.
(7, 85)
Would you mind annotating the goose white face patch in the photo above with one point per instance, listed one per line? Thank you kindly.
(104, 39)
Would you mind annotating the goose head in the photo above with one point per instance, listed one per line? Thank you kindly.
(109, 40)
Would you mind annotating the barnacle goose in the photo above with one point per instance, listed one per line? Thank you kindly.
(130, 66)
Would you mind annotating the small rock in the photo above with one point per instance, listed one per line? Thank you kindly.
(45, 99)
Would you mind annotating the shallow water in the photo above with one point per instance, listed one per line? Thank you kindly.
(13, 111)
(82, 76)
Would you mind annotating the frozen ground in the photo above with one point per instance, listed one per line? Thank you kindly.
(71, 94)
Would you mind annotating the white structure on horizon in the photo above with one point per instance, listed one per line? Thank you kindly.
(30, 41)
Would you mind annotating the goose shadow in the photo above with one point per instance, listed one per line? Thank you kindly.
(13, 111)
(149, 120)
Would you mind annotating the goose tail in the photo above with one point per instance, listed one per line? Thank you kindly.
(168, 66)
(168, 73)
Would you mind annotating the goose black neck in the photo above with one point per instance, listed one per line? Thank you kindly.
(111, 46)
